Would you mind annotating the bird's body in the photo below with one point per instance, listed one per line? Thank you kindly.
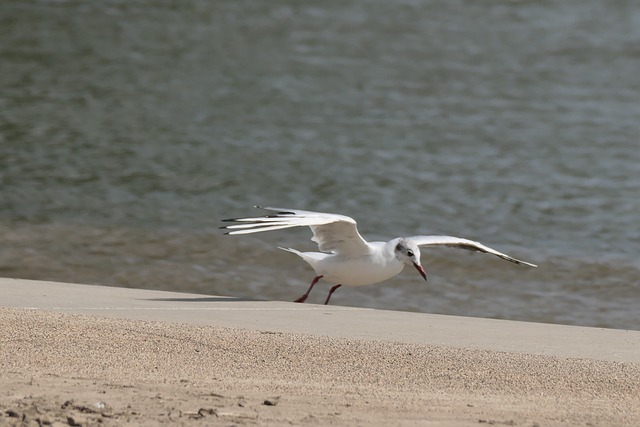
(345, 257)
(374, 266)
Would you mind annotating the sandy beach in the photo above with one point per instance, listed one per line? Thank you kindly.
(89, 370)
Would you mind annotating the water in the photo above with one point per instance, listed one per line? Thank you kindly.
(129, 129)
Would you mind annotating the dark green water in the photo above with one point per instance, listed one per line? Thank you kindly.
(129, 129)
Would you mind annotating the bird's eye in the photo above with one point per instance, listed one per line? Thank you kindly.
(410, 253)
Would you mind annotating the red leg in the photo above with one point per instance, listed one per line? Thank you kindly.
(304, 297)
(333, 289)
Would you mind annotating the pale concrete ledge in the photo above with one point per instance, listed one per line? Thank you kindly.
(332, 321)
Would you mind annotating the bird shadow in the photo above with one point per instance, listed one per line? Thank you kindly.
(203, 299)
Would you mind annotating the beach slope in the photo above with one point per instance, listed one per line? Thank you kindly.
(87, 355)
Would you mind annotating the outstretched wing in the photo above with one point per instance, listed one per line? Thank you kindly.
(332, 232)
(457, 242)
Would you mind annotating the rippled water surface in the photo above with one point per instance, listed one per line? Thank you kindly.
(129, 129)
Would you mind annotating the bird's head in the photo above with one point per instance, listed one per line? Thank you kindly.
(409, 253)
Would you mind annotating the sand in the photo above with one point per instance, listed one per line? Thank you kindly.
(64, 369)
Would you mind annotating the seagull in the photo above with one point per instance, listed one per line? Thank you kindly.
(345, 257)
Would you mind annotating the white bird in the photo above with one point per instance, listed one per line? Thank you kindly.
(346, 258)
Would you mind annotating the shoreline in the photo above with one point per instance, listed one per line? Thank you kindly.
(118, 369)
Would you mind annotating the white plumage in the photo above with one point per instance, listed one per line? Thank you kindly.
(345, 257)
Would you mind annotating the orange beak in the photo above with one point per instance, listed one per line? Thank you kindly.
(421, 271)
